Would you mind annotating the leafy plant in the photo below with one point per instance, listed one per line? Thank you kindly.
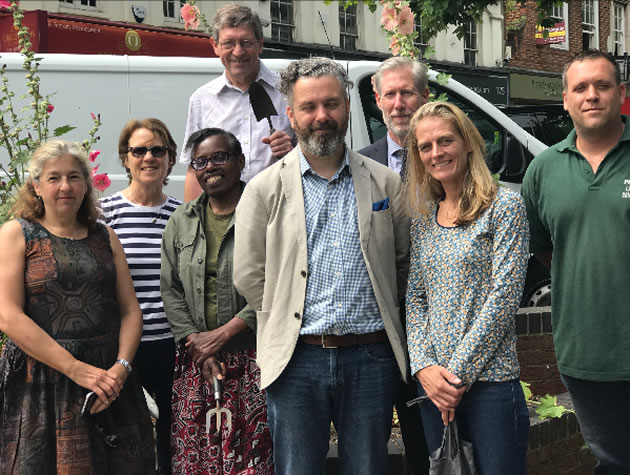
(546, 406)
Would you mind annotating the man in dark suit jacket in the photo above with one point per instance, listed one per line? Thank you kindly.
(400, 87)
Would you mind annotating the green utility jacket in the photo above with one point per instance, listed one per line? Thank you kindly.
(182, 277)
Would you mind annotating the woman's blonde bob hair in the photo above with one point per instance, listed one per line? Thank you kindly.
(479, 188)
(30, 206)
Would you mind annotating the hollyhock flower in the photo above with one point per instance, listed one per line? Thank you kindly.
(95, 169)
(101, 181)
(50, 108)
(92, 115)
(389, 18)
(405, 21)
(94, 154)
(394, 46)
(190, 15)
(5, 5)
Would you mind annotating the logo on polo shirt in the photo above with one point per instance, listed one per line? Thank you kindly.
(626, 192)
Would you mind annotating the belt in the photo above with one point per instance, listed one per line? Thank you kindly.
(341, 341)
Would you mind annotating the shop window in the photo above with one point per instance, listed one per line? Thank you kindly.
(282, 20)
(348, 30)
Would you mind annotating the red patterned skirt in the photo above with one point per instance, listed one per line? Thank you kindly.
(243, 450)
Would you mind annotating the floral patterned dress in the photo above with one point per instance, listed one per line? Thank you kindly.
(70, 294)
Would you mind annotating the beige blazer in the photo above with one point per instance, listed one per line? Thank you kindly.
(271, 262)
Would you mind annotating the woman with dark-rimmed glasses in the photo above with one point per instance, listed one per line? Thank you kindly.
(138, 215)
(213, 325)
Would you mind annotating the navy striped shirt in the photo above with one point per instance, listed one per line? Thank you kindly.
(140, 230)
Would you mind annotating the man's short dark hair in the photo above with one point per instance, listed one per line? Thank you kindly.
(312, 67)
(591, 54)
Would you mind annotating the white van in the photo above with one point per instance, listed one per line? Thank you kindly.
(123, 87)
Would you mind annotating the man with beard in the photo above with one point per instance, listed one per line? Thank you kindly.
(400, 88)
(577, 194)
(322, 254)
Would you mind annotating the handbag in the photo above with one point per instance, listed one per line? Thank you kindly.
(454, 457)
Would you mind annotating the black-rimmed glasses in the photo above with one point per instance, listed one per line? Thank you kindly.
(158, 151)
(217, 158)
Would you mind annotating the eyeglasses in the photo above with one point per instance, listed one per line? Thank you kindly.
(217, 158)
(158, 151)
(231, 44)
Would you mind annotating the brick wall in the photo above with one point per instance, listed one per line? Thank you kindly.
(527, 54)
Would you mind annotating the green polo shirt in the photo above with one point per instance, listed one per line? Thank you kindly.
(584, 217)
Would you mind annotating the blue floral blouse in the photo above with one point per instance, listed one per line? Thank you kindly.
(465, 286)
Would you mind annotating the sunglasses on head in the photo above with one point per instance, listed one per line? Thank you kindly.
(217, 158)
(158, 151)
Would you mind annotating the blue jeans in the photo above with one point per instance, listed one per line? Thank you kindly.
(494, 418)
(603, 411)
(354, 388)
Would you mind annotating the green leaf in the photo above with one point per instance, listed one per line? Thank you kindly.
(64, 129)
(549, 408)
(525, 386)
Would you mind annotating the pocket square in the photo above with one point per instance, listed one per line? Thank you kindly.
(381, 205)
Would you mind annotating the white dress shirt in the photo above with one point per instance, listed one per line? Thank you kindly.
(220, 104)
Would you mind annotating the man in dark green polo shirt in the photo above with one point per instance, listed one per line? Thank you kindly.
(577, 195)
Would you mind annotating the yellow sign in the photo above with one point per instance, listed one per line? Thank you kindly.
(132, 40)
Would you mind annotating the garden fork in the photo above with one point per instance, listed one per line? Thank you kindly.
(218, 410)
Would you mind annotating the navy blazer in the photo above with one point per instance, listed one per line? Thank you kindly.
(377, 151)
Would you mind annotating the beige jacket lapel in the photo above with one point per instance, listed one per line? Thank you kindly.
(363, 192)
(291, 180)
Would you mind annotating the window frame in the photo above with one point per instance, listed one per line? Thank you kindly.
(471, 30)
(79, 4)
(177, 17)
(279, 25)
(564, 17)
(593, 8)
(346, 36)
(618, 28)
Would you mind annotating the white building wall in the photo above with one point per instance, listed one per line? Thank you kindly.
(308, 27)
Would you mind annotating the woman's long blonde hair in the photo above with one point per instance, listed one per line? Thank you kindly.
(479, 187)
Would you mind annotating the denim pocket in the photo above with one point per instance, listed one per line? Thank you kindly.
(379, 351)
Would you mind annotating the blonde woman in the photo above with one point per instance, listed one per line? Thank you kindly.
(468, 261)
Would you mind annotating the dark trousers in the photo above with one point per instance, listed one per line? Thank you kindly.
(155, 362)
(416, 451)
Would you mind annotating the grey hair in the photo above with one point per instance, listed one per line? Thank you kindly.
(232, 16)
(418, 72)
(312, 67)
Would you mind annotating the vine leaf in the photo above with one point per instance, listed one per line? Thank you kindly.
(549, 407)
(64, 129)
(526, 391)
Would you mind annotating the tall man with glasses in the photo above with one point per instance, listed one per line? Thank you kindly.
(577, 195)
(237, 39)
(322, 254)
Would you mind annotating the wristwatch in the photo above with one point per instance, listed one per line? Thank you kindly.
(125, 364)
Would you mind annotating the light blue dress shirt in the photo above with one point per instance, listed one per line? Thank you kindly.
(339, 295)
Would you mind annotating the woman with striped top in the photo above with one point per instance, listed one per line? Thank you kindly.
(138, 215)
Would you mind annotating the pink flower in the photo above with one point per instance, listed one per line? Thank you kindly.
(5, 5)
(405, 21)
(388, 18)
(101, 181)
(190, 15)
(394, 46)
(95, 169)
(92, 115)
(94, 154)
(50, 108)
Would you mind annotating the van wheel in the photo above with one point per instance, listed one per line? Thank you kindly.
(539, 295)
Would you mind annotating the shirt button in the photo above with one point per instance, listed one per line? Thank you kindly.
(335, 243)
(303, 273)
(297, 315)
(199, 260)
(198, 290)
(339, 305)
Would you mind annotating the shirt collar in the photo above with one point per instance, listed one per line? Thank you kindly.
(569, 142)
(264, 75)
(306, 167)
(392, 147)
